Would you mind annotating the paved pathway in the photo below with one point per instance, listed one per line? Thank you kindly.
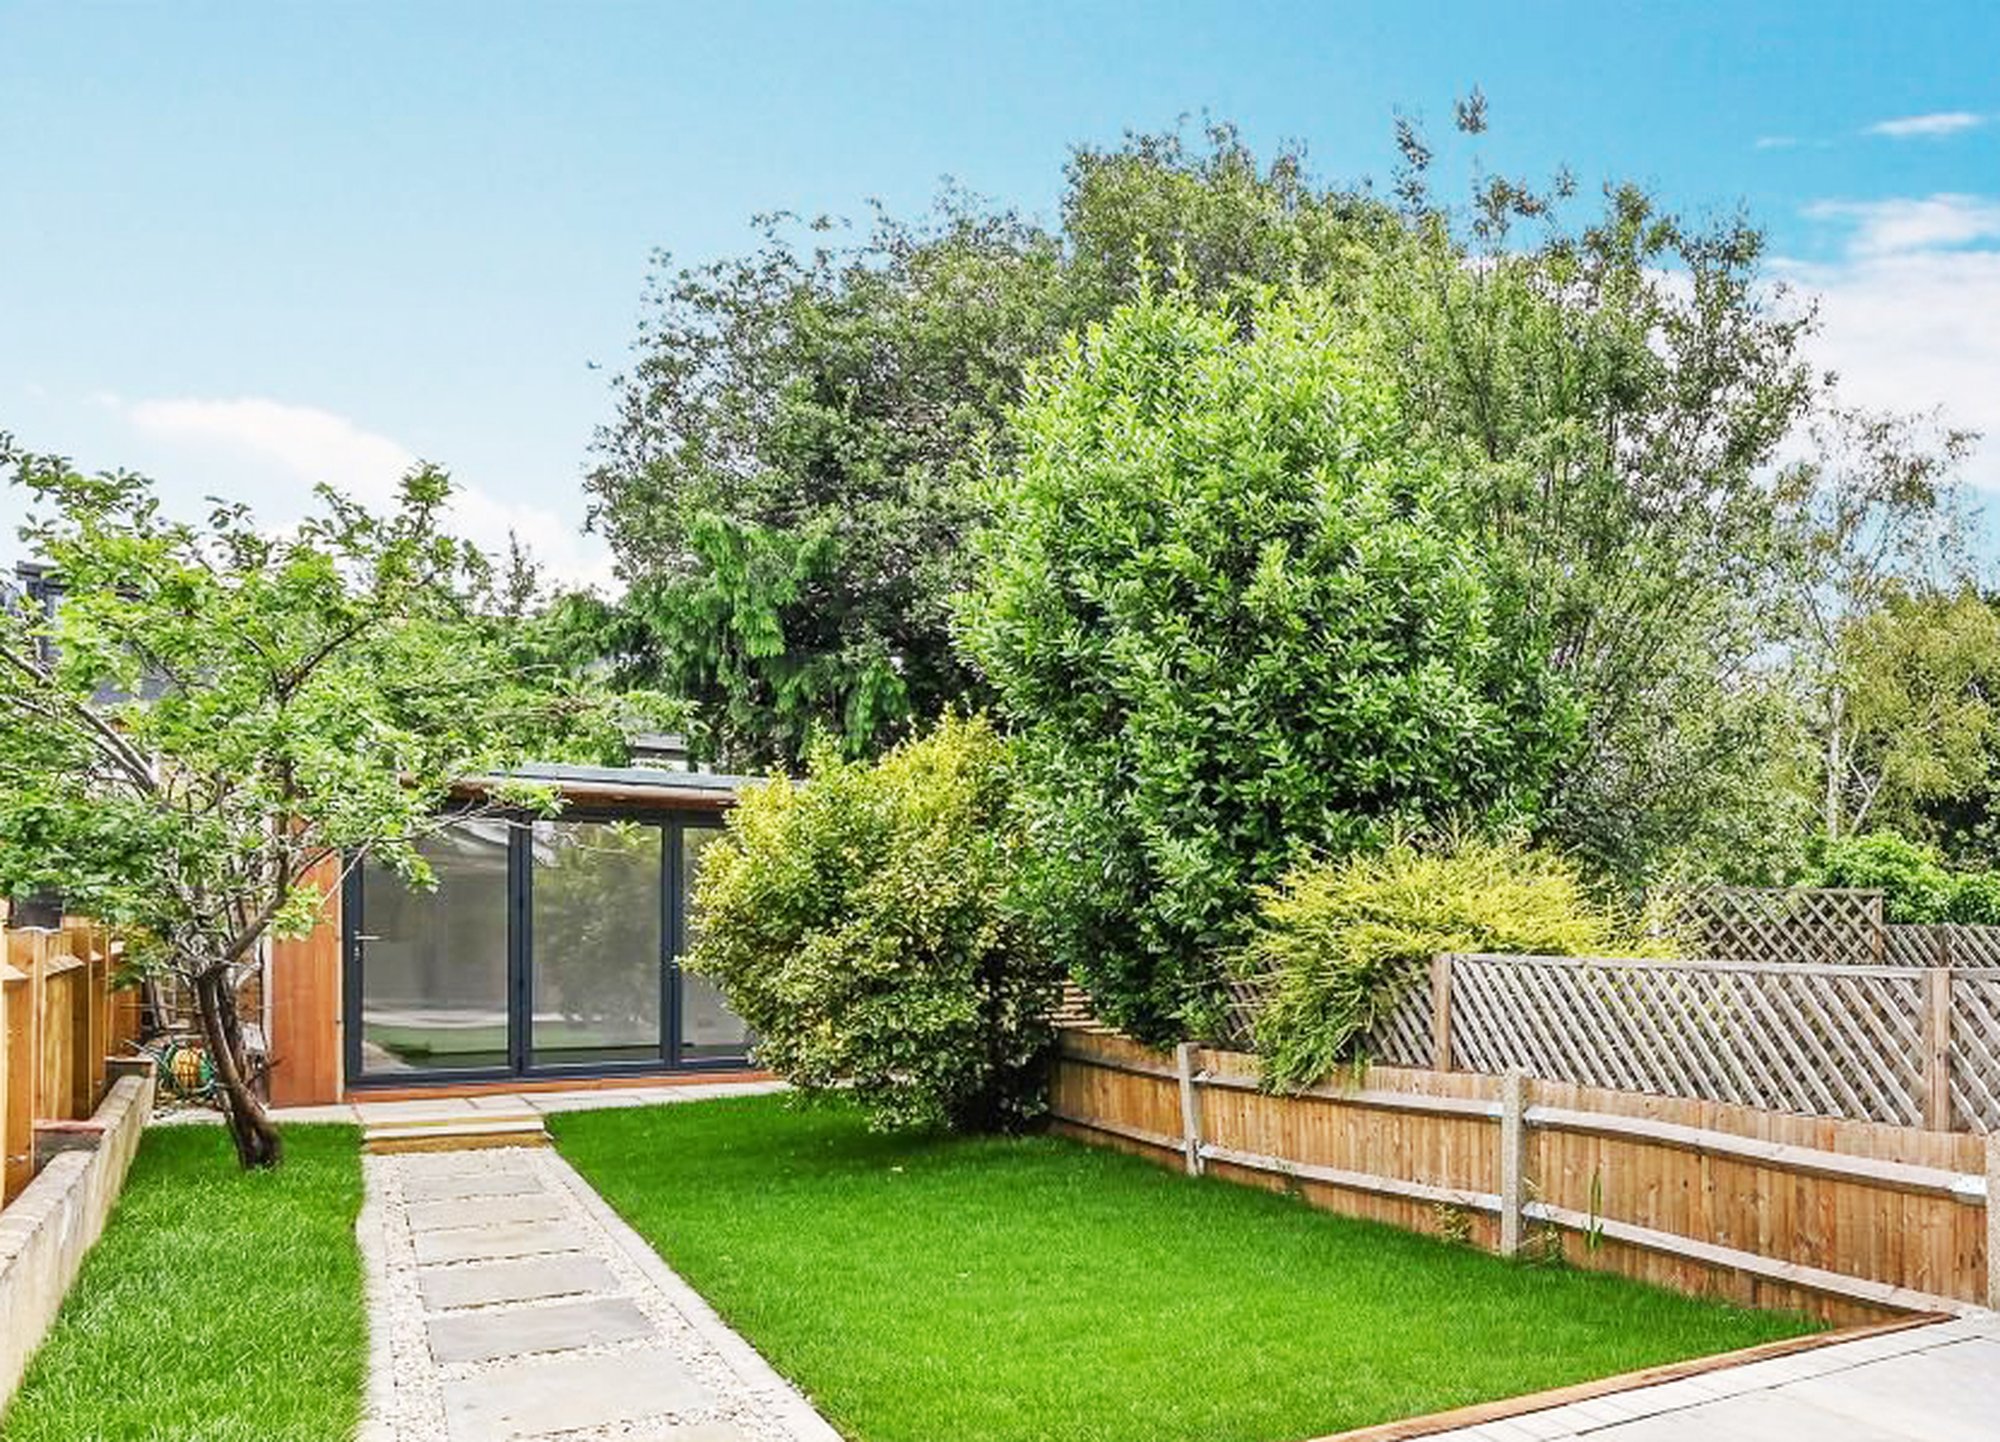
(508, 1301)
(1927, 1384)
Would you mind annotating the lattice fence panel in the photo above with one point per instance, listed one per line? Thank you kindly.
(1403, 1038)
(1830, 1041)
(1975, 1049)
(1788, 925)
(1246, 999)
(1947, 944)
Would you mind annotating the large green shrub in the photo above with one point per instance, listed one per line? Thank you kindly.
(1341, 943)
(861, 923)
(1224, 609)
(1912, 878)
(1916, 885)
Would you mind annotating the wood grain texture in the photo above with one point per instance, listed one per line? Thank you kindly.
(1847, 1221)
(304, 977)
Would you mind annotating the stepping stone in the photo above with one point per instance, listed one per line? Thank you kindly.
(491, 1244)
(483, 1211)
(560, 1394)
(481, 1284)
(489, 1335)
(445, 1186)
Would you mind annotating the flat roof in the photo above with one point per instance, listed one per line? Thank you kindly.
(655, 784)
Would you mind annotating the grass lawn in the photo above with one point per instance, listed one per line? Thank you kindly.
(993, 1290)
(218, 1307)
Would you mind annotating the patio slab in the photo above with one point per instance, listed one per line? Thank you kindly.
(1936, 1383)
(483, 1211)
(494, 1332)
(531, 1399)
(464, 1182)
(496, 1241)
(525, 1279)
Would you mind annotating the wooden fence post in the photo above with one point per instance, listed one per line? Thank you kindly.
(1937, 1048)
(1190, 1107)
(1441, 1013)
(1513, 1158)
(17, 1122)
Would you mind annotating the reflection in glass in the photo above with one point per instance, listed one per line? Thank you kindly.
(596, 941)
(434, 964)
(709, 1029)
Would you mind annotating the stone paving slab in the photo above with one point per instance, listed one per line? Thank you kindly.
(524, 1279)
(492, 1243)
(494, 1332)
(566, 1394)
(483, 1211)
(450, 1186)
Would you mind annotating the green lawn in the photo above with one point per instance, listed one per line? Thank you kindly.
(992, 1290)
(218, 1307)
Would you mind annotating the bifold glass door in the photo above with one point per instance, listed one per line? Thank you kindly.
(547, 947)
(436, 994)
(597, 924)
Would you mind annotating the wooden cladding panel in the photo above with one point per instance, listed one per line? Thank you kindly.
(304, 977)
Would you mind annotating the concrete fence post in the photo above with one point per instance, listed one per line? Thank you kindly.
(1993, 1221)
(1190, 1107)
(1514, 1101)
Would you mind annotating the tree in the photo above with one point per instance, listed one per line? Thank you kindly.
(783, 484)
(1875, 524)
(864, 924)
(786, 482)
(1224, 606)
(1918, 685)
(1612, 392)
(212, 710)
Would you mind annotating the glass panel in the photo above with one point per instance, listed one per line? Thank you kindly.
(596, 941)
(434, 963)
(709, 1029)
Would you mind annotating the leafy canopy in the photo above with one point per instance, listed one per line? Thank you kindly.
(211, 710)
(1224, 605)
(863, 924)
(785, 482)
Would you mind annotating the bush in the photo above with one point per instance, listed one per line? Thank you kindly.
(1223, 605)
(1912, 878)
(1975, 899)
(862, 924)
(1341, 943)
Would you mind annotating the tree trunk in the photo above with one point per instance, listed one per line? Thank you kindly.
(1835, 761)
(250, 1125)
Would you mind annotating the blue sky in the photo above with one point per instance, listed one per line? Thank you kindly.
(245, 247)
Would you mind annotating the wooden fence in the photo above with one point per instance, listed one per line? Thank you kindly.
(1847, 1220)
(1910, 1046)
(60, 1019)
(1821, 926)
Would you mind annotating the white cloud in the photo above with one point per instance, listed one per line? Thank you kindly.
(1910, 316)
(1776, 142)
(1890, 227)
(309, 445)
(1933, 126)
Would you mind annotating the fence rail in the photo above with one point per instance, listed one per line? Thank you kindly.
(1910, 1046)
(1848, 1220)
(60, 1021)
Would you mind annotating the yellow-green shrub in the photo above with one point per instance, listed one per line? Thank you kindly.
(1340, 944)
